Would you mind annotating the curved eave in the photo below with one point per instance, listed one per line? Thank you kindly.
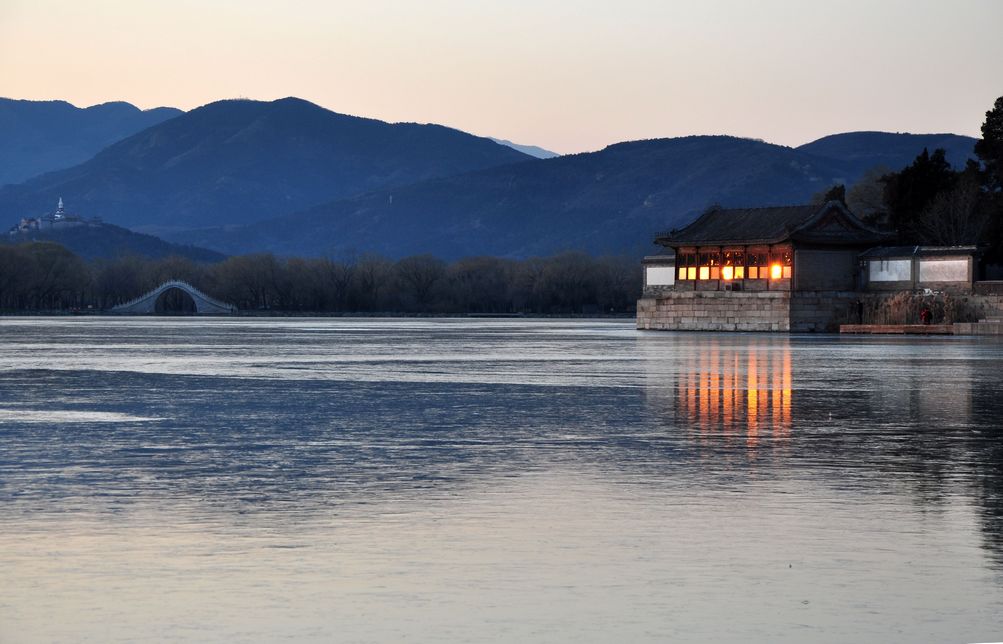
(806, 238)
(677, 243)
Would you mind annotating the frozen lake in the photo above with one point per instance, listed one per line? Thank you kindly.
(375, 480)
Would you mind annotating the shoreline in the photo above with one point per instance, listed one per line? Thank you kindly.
(329, 314)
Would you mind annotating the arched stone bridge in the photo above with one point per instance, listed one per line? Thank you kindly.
(147, 303)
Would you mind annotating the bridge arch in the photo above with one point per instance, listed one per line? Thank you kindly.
(148, 302)
(174, 301)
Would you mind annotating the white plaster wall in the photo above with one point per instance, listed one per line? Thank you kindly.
(889, 270)
(944, 270)
(660, 275)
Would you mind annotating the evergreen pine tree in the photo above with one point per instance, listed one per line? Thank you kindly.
(990, 147)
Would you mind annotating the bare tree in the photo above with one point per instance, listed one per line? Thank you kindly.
(866, 198)
(418, 275)
(619, 283)
(46, 275)
(480, 285)
(568, 283)
(335, 279)
(955, 217)
(370, 280)
(249, 281)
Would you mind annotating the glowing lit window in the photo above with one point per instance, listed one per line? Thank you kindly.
(780, 263)
(715, 273)
(705, 272)
(734, 265)
(686, 262)
(758, 263)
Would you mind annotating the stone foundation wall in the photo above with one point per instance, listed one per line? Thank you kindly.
(656, 291)
(715, 311)
(803, 311)
(799, 312)
(787, 305)
(823, 311)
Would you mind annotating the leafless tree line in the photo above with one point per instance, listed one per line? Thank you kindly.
(45, 276)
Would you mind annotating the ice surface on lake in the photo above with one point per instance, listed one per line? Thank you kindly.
(373, 480)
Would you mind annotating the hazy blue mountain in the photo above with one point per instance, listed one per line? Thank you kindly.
(234, 162)
(611, 201)
(532, 150)
(861, 151)
(107, 241)
(293, 178)
(42, 136)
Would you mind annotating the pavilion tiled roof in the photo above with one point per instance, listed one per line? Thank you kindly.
(771, 225)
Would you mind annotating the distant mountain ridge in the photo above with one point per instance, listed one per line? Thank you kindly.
(107, 241)
(291, 177)
(236, 161)
(861, 151)
(611, 201)
(532, 150)
(41, 136)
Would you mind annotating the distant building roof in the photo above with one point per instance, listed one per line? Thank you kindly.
(828, 223)
(919, 251)
(664, 258)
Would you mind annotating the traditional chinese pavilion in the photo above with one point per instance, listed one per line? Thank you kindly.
(758, 269)
(814, 247)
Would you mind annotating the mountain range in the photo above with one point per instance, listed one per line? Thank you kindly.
(237, 161)
(865, 150)
(41, 136)
(293, 178)
(611, 201)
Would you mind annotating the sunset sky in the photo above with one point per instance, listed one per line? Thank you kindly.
(569, 76)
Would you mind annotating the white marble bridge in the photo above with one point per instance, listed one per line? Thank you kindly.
(147, 303)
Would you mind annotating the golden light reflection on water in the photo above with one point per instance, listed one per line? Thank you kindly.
(732, 389)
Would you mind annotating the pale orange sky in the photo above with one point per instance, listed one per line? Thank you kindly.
(569, 76)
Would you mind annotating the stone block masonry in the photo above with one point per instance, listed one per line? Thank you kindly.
(823, 311)
(716, 311)
(796, 312)
(747, 311)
